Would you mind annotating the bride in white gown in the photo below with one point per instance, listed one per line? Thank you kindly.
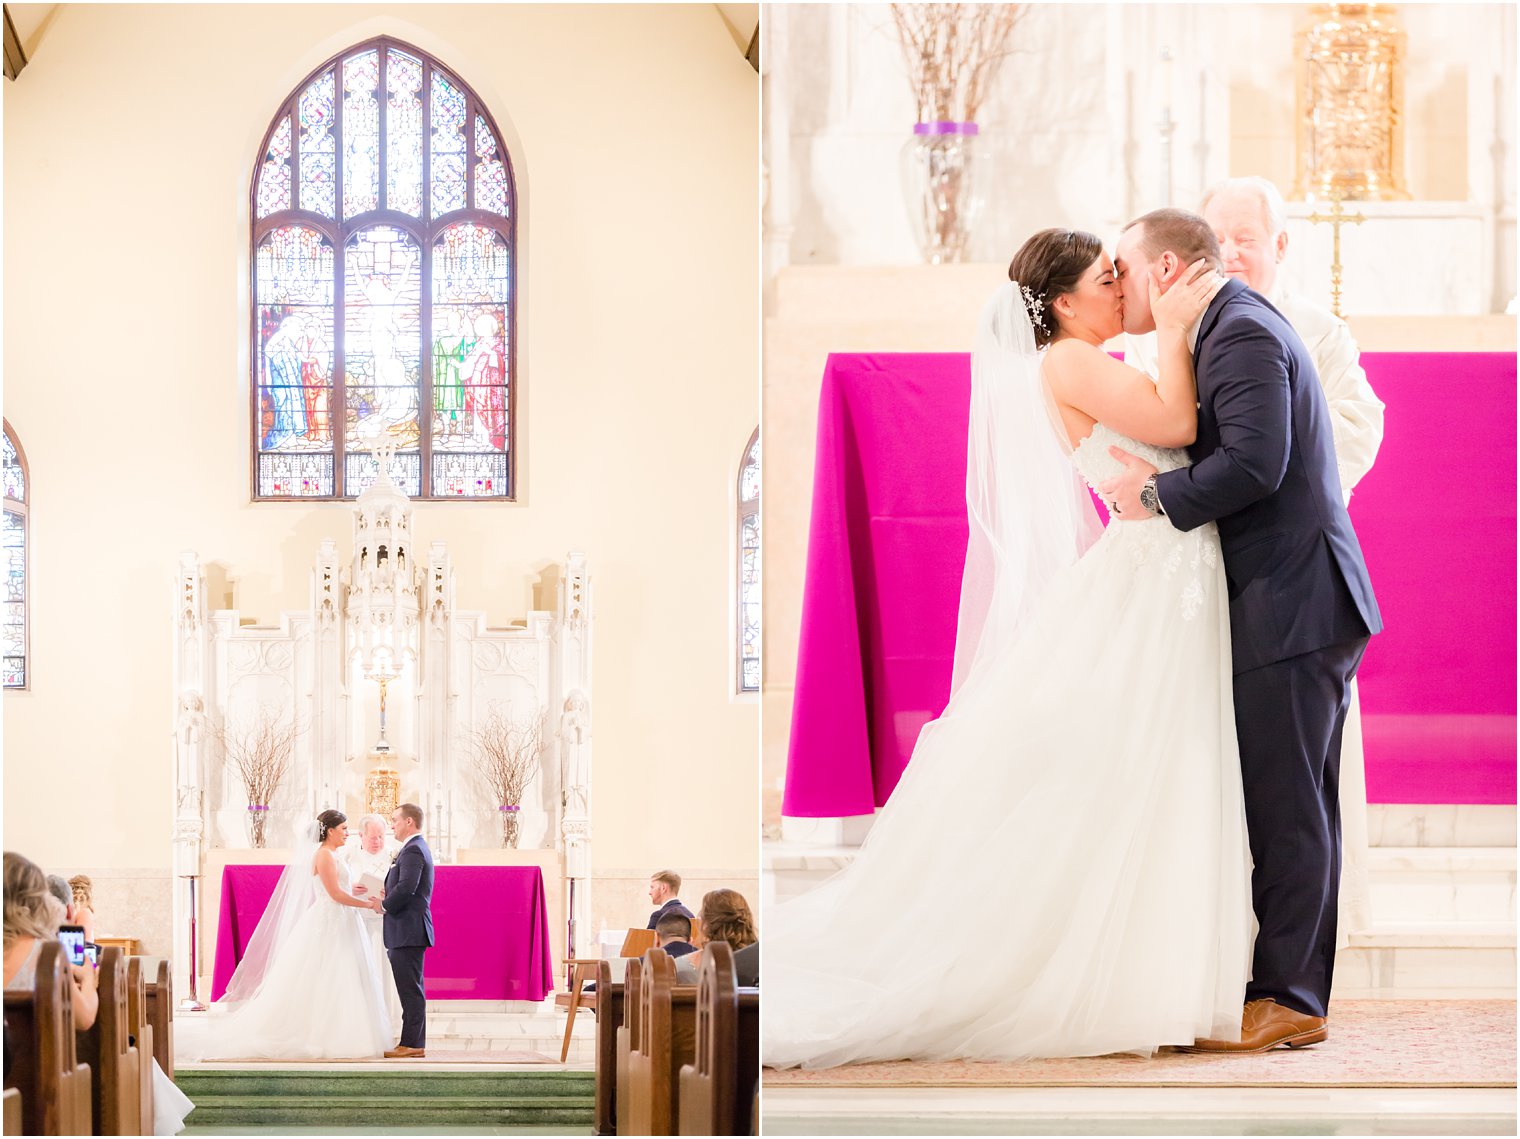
(306, 988)
(1063, 868)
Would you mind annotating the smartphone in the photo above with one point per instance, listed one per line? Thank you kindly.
(72, 937)
(92, 953)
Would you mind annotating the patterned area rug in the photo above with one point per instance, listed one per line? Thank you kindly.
(1378, 1044)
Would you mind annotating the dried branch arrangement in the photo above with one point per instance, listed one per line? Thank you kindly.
(953, 52)
(260, 751)
(507, 754)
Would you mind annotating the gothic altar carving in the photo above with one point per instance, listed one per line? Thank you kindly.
(385, 679)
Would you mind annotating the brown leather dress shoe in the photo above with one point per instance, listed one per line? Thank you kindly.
(1265, 1025)
(401, 1051)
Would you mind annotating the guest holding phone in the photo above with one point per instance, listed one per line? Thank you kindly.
(32, 916)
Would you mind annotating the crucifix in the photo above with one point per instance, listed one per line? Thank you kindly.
(1336, 218)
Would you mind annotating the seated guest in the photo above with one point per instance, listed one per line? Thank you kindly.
(33, 914)
(673, 935)
(726, 917)
(32, 918)
(84, 904)
(663, 888)
(60, 888)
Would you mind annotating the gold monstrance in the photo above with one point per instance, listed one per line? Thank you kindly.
(1351, 104)
(382, 786)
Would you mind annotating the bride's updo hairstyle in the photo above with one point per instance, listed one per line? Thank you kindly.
(1047, 266)
(326, 821)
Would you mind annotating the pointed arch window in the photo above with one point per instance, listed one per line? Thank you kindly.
(384, 286)
(748, 567)
(17, 488)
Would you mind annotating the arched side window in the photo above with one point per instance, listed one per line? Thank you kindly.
(383, 285)
(748, 565)
(17, 483)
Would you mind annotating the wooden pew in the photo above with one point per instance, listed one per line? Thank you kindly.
(717, 1091)
(140, 1031)
(666, 1038)
(609, 1018)
(45, 1068)
(625, 1037)
(12, 1111)
(161, 1016)
(113, 1060)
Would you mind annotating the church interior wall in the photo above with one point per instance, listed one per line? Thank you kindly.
(130, 140)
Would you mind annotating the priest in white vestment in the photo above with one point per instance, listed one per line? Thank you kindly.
(372, 856)
(1250, 220)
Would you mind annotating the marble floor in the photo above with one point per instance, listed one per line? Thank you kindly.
(1138, 1111)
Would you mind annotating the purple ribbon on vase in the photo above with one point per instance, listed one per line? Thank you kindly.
(968, 129)
(251, 807)
(509, 807)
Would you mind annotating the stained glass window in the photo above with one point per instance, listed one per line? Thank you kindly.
(748, 562)
(14, 638)
(384, 285)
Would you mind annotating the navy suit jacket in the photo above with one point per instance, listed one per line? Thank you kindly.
(673, 906)
(409, 896)
(1264, 470)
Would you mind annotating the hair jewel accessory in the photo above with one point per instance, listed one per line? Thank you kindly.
(1035, 304)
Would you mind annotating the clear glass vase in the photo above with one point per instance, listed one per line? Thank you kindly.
(509, 826)
(943, 176)
(258, 822)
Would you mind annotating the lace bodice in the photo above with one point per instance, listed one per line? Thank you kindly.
(1188, 560)
(1095, 464)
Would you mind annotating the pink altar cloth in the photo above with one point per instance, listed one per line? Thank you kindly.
(1436, 518)
(490, 928)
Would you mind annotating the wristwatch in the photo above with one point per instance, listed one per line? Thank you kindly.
(1149, 498)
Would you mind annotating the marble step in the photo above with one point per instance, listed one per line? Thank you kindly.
(1430, 959)
(477, 1026)
(510, 1026)
(1424, 884)
(387, 1099)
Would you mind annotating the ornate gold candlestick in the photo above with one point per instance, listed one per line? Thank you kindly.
(1335, 219)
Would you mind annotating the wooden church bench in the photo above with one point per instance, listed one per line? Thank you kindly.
(717, 1091)
(140, 1032)
(113, 1059)
(609, 1017)
(624, 1037)
(665, 1039)
(161, 1015)
(12, 1099)
(45, 1069)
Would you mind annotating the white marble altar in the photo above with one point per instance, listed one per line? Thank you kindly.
(390, 611)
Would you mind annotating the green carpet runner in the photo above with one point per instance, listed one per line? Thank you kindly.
(267, 1097)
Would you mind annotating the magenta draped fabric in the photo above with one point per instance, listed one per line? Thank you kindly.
(1436, 518)
(490, 928)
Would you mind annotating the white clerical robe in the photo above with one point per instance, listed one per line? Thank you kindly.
(1356, 416)
(361, 862)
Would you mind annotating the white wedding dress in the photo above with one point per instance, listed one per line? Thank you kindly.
(320, 998)
(1063, 868)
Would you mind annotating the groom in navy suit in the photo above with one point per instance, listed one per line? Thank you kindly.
(408, 928)
(1301, 606)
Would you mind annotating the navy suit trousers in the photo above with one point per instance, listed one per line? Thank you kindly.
(1289, 715)
(406, 964)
